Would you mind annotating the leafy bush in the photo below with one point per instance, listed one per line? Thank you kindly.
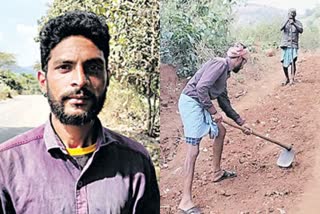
(190, 29)
(265, 34)
(18, 83)
(310, 37)
(126, 108)
(5, 91)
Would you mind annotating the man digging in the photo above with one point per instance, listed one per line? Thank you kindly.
(200, 117)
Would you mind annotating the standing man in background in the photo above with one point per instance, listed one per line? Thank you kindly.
(290, 45)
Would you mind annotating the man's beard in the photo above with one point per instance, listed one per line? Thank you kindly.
(58, 107)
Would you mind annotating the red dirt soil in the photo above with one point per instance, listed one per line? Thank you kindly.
(289, 114)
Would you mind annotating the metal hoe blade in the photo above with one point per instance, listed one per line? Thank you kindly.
(287, 155)
(286, 158)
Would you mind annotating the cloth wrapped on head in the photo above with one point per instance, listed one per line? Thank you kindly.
(292, 13)
(238, 50)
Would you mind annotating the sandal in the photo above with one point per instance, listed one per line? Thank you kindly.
(226, 174)
(192, 210)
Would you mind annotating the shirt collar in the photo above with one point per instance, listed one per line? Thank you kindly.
(53, 142)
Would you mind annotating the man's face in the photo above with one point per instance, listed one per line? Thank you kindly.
(239, 64)
(291, 14)
(76, 80)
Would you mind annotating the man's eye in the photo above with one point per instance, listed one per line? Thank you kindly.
(64, 67)
(94, 69)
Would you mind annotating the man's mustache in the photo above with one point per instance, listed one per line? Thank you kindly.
(83, 92)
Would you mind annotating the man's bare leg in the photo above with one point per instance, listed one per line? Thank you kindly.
(285, 70)
(189, 165)
(294, 70)
(217, 152)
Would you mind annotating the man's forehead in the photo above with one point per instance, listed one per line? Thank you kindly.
(76, 48)
(292, 10)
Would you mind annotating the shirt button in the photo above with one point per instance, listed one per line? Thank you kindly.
(80, 184)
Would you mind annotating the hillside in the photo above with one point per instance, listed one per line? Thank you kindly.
(260, 25)
(312, 17)
(12, 83)
(253, 14)
(19, 70)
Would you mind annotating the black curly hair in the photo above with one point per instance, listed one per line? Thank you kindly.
(82, 23)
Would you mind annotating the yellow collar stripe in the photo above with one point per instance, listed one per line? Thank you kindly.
(81, 151)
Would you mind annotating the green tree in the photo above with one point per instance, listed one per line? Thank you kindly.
(310, 37)
(11, 80)
(7, 78)
(6, 60)
(37, 66)
(189, 27)
(12, 83)
(265, 34)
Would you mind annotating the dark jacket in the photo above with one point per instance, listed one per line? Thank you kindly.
(290, 34)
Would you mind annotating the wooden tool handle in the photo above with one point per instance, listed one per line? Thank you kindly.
(259, 135)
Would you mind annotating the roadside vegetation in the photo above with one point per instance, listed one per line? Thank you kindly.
(11, 83)
(193, 31)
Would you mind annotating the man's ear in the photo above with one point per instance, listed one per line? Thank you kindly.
(42, 81)
(108, 77)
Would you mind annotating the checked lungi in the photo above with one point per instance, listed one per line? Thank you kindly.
(288, 55)
(197, 121)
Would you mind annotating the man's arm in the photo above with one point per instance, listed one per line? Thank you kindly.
(208, 78)
(1, 207)
(225, 105)
(6, 205)
(284, 25)
(150, 202)
(2, 197)
(298, 26)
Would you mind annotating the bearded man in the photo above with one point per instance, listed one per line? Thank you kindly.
(72, 164)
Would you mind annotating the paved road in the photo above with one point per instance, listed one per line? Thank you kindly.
(22, 113)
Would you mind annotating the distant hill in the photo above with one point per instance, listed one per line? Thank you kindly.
(312, 17)
(19, 70)
(252, 14)
(256, 23)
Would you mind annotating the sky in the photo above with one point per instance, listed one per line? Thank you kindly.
(18, 28)
(300, 5)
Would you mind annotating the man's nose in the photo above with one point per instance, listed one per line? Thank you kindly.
(79, 77)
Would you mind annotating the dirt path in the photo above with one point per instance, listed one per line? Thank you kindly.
(288, 114)
(22, 113)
